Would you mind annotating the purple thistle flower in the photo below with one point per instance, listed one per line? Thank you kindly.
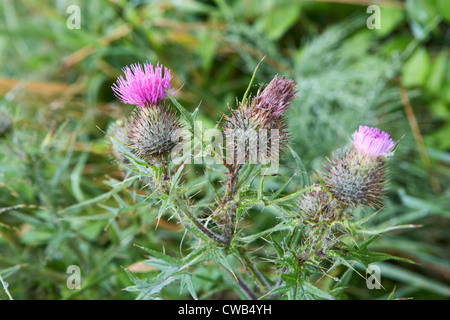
(372, 142)
(143, 85)
(357, 176)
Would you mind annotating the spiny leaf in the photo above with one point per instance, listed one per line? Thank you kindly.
(317, 292)
(301, 168)
(186, 281)
(364, 256)
(160, 255)
(186, 115)
(279, 227)
(169, 201)
(261, 187)
(282, 188)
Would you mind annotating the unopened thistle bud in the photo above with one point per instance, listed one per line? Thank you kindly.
(143, 85)
(319, 210)
(317, 206)
(152, 132)
(356, 175)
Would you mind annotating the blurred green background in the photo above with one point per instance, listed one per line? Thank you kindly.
(58, 206)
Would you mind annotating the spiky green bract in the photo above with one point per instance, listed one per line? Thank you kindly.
(317, 206)
(355, 179)
(152, 132)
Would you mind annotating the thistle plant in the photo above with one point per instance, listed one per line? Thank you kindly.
(316, 224)
(356, 176)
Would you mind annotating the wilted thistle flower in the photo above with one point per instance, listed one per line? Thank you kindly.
(317, 206)
(151, 134)
(356, 175)
(257, 129)
(275, 99)
(143, 85)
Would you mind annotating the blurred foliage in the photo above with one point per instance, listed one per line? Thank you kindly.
(62, 199)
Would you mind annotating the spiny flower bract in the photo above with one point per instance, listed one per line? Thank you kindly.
(353, 181)
(250, 138)
(151, 132)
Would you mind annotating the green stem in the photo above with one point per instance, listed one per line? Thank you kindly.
(257, 276)
(230, 211)
(224, 211)
(251, 81)
(5, 288)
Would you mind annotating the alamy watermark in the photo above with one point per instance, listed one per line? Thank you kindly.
(74, 19)
(74, 278)
(373, 277)
(374, 21)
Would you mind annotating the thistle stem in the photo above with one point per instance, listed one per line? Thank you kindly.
(229, 212)
(262, 282)
(230, 190)
(183, 209)
(246, 290)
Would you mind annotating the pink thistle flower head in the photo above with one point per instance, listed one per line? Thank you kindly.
(372, 142)
(143, 85)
